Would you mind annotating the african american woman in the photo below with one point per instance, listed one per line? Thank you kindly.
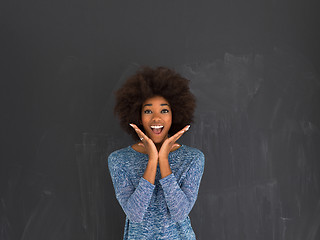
(156, 180)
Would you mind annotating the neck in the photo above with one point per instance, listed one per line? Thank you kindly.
(158, 146)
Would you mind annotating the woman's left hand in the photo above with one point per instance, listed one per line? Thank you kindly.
(170, 143)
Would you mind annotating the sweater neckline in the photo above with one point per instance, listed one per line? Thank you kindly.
(170, 153)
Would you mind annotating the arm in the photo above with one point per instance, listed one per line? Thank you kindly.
(164, 165)
(180, 199)
(134, 201)
(151, 170)
(150, 148)
(168, 145)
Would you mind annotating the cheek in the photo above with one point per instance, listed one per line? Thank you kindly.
(169, 119)
(144, 121)
(144, 118)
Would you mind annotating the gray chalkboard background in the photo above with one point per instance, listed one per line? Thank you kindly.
(254, 67)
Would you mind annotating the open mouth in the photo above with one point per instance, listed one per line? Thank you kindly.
(156, 129)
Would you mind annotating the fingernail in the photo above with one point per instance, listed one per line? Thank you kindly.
(131, 124)
(188, 128)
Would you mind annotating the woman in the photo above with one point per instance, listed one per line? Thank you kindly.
(156, 180)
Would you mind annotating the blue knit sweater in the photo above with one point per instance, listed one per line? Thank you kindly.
(158, 211)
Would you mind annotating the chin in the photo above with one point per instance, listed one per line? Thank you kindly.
(158, 140)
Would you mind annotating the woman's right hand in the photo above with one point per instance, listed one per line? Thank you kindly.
(146, 143)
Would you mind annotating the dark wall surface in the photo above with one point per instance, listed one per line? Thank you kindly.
(254, 67)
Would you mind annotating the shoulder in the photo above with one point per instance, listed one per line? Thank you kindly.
(194, 154)
(119, 152)
(117, 157)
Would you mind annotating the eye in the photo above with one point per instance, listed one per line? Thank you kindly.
(164, 111)
(147, 111)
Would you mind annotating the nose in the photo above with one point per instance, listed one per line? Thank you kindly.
(156, 117)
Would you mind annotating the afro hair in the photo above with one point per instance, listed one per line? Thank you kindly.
(147, 83)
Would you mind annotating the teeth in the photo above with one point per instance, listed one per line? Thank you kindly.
(156, 126)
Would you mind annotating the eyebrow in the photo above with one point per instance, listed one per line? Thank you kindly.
(162, 104)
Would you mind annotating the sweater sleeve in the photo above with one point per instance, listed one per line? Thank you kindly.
(180, 199)
(134, 201)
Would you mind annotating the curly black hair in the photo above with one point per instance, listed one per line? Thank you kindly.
(147, 83)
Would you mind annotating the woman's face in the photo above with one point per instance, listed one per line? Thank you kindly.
(156, 117)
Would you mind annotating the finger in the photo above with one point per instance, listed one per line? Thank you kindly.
(175, 145)
(141, 134)
(138, 131)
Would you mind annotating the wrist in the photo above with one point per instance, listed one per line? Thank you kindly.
(163, 158)
(153, 158)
